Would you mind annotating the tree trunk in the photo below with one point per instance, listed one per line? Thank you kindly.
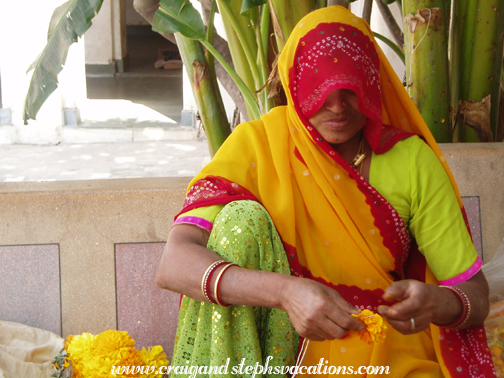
(147, 8)
(391, 23)
(477, 43)
(343, 3)
(207, 96)
(366, 12)
(425, 31)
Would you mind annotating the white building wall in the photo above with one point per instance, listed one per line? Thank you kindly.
(21, 40)
(104, 42)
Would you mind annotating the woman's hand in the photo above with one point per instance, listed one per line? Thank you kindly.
(413, 300)
(318, 312)
(426, 303)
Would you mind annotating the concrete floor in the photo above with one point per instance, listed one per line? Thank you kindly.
(90, 161)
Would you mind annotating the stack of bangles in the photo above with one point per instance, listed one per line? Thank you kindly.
(466, 308)
(205, 283)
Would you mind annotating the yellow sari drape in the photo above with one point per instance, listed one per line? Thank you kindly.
(332, 222)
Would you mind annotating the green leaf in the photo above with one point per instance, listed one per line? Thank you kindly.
(396, 48)
(388, 2)
(249, 4)
(178, 16)
(69, 21)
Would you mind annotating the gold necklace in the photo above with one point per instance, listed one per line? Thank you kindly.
(360, 156)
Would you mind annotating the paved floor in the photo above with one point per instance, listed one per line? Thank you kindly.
(91, 161)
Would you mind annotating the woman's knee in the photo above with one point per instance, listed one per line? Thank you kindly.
(244, 233)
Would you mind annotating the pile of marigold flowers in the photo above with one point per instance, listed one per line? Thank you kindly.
(93, 356)
(375, 326)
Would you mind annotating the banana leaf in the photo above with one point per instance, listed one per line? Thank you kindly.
(68, 22)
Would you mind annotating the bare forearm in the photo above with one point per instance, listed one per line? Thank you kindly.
(185, 261)
(450, 307)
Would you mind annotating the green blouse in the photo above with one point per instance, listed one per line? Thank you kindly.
(415, 183)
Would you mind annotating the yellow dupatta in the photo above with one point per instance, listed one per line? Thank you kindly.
(332, 222)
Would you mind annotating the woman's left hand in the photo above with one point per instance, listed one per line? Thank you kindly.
(417, 304)
(412, 300)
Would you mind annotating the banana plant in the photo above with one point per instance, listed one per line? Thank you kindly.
(68, 22)
(477, 39)
(456, 86)
(427, 71)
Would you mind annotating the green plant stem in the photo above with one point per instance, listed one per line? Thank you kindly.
(249, 98)
(392, 45)
(281, 22)
(427, 66)
(476, 64)
(208, 100)
(468, 24)
(301, 9)
(265, 24)
(262, 63)
(486, 62)
(210, 35)
(227, 13)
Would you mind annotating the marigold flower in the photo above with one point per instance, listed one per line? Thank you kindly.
(80, 350)
(375, 326)
(94, 356)
(154, 356)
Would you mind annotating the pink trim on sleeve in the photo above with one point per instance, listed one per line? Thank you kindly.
(464, 276)
(197, 221)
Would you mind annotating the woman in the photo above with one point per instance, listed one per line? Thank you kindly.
(346, 193)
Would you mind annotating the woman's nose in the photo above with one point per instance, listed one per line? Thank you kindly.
(336, 101)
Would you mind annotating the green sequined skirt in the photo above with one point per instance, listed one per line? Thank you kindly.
(237, 337)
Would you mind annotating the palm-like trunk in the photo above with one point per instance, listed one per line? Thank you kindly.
(206, 93)
(425, 39)
(477, 40)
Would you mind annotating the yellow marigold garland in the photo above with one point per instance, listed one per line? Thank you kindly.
(94, 356)
(375, 326)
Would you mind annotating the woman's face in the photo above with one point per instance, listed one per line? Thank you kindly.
(339, 119)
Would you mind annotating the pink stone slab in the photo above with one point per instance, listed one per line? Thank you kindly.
(147, 312)
(472, 208)
(30, 286)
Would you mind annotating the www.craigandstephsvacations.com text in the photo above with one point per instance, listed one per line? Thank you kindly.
(193, 371)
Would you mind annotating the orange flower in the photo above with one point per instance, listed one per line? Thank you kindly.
(375, 326)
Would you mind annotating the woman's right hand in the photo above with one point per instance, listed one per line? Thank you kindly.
(318, 312)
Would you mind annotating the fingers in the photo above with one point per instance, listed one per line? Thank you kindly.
(398, 291)
(408, 326)
(413, 300)
(320, 313)
(411, 297)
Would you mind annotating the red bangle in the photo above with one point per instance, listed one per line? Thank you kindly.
(207, 276)
(466, 308)
(217, 285)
